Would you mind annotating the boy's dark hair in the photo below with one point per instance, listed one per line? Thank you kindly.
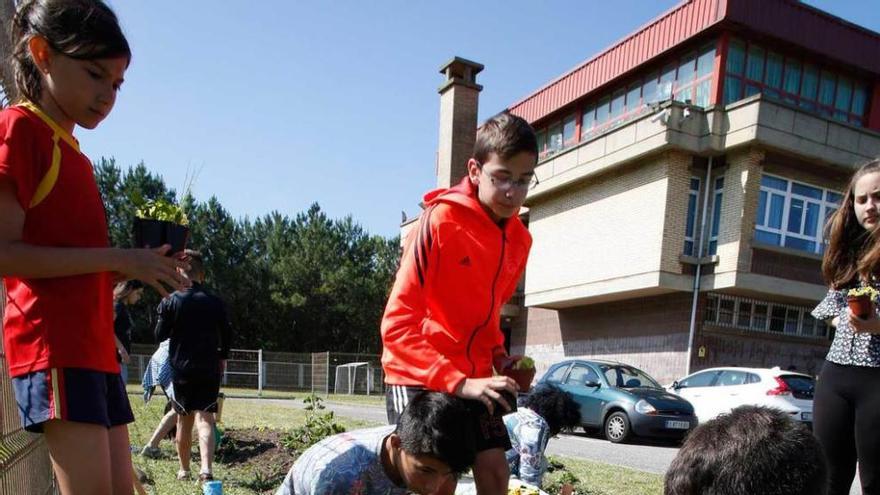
(556, 406)
(196, 263)
(751, 450)
(80, 29)
(431, 425)
(506, 135)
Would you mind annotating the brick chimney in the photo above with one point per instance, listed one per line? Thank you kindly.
(459, 96)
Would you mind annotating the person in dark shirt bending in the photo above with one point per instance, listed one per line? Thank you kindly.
(198, 327)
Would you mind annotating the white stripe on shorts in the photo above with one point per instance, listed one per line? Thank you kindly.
(395, 398)
(401, 398)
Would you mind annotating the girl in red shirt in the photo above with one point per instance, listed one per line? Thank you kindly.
(55, 256)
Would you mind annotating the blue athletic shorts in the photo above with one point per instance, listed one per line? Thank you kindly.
(71, 394)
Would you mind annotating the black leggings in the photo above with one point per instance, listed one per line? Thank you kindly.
(846, 413)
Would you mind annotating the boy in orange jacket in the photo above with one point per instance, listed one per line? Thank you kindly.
(460, 264)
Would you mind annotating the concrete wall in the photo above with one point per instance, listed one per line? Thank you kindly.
(607, 230)
(725, 347)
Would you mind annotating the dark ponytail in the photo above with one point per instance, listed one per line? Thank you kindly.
(80, 29)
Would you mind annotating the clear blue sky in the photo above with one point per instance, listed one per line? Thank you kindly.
(336, 101)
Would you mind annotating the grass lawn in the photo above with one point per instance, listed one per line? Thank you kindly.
(595, 478)
(253, 463)
(238, 477)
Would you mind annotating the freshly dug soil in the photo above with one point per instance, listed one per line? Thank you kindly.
(257, 454)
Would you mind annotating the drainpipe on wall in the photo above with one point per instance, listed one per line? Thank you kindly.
(703, 222)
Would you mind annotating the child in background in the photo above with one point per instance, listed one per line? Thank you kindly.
(425, 449)
(69, 58)
(158, 372)
(124, 294)
(461, 263)
(543, 414)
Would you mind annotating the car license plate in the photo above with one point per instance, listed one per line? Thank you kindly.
(678, 425)
(806, 416)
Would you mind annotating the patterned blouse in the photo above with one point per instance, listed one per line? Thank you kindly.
(848, 347)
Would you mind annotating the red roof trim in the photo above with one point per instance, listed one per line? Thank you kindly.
(788, 20)
(670, 29)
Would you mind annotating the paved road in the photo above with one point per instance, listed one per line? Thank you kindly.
(650, 457)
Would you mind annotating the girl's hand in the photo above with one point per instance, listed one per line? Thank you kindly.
(871, 324)
(123, 355)
(486, 390)
(153, 268)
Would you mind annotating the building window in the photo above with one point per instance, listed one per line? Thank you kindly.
(617, 104)
(690, 227)
(587, 122)
(569, 128)
(687, 78)
(690, 237)
(751, 69)
(763, 316)
(557, 136)
(716, 215)
(792, 214)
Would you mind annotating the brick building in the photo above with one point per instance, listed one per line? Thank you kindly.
(715, 139)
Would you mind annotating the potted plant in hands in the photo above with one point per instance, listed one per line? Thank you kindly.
(522, 372)
(860, 300)
(158, 222)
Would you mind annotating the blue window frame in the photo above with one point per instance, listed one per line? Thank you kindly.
(793, 214)
(691, 225)
(717, 196)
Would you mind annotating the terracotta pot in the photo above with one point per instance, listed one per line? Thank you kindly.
(860, 305)
(523, 378)
(155, 233)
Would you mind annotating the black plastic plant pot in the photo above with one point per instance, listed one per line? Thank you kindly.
(155, 233)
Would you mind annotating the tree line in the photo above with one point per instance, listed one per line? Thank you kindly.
(307, 283)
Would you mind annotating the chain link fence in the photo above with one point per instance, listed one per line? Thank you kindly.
(260, 370)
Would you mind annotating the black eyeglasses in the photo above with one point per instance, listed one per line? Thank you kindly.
(508, 183)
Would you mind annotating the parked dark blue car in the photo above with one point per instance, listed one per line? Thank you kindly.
(621, 400)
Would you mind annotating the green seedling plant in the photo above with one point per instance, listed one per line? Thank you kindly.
(526, 363)
(318, 426)
(159, 209)
(863, 291)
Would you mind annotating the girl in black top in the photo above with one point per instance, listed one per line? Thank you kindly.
(124, 294)
(847, 402)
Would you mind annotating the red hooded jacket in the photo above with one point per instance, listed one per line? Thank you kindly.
(458, 267)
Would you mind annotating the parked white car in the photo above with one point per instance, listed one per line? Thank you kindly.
(719, 390)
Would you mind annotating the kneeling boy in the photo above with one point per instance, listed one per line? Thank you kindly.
(421, 454)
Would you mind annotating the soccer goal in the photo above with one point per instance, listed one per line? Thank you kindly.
(354, 378)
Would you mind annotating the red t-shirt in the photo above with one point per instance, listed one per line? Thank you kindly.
(61, 322)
